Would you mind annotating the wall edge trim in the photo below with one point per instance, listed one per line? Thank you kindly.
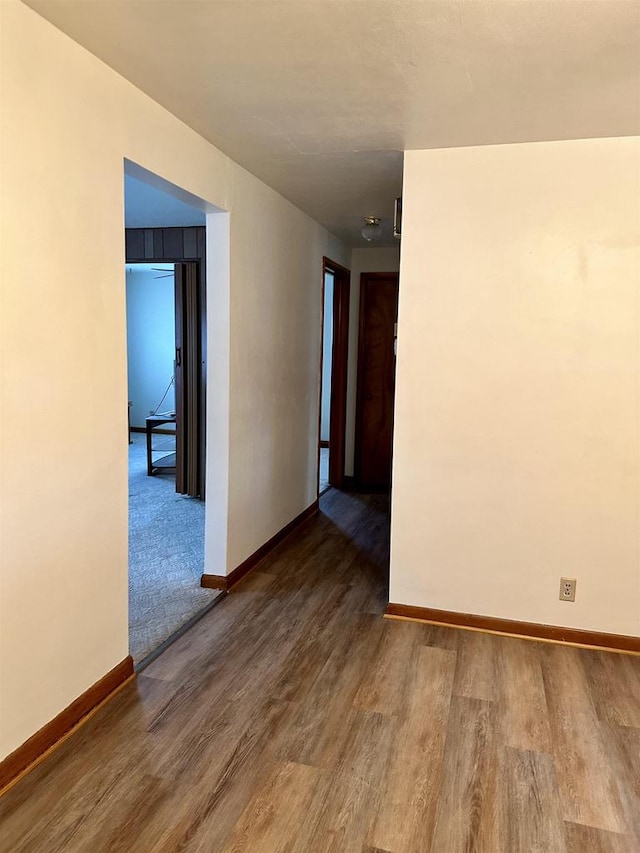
(227, 582)
(510, 627)
(33, 751)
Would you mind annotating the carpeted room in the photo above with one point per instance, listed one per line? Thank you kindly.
(166, 529)
(166, 554)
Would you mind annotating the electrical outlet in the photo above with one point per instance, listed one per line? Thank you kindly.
(568, 589)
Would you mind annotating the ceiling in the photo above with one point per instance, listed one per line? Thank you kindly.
(147, 206)
(319, 98)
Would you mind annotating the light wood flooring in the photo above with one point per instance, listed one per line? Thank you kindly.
(294, 718)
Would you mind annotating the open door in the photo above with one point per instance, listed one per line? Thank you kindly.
(341, 280)
(336, 355)
(187, 379)
(185, 248)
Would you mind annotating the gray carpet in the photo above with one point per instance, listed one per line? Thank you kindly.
(166, 554)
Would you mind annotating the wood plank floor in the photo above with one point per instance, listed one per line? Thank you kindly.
(294, 718)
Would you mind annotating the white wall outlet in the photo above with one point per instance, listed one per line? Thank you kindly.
(568, 589)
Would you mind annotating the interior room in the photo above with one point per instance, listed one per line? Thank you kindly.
(447, 663)
(151, 349)
(325, 383)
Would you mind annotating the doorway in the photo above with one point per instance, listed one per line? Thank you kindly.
(333, 375)
(376, 379)
(184, 249)
(166, 526)
(166, 337)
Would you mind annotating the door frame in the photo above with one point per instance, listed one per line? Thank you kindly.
(364, 278)
(339, 356)
(175, 245)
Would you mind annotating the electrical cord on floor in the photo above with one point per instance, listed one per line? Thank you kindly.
(171, 381)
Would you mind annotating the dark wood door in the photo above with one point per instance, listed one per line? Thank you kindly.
(376, 378)
(187, 376)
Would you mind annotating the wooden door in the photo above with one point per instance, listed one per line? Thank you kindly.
(376, 378)
(338, 416)
(187, 379)
(338, 356)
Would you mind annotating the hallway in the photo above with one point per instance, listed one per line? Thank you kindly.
(293, 717)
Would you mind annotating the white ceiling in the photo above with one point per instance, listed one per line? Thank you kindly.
(146, 206)
(320, 97)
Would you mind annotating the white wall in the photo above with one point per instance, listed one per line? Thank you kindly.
(68, 122)
(516, 436)
(327, 353)
(151, 339)
(362, 260)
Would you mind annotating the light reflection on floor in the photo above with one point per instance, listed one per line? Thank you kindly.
(324, 469)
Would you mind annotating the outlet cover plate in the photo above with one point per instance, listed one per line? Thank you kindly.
(567, 589)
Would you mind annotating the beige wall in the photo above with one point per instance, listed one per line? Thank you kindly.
(67, 124)
(516, 441)
(369, 259)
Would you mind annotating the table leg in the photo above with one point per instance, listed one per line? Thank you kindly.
(149, 440)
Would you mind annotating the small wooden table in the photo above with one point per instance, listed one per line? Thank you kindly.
(164, 464)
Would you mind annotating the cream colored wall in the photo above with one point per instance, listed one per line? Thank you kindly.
(275, 364)
(369, 259)
(516, 438)
(67, 124)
